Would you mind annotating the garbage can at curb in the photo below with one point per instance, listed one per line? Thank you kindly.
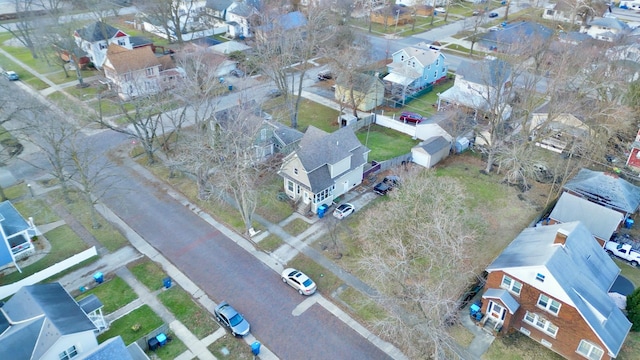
(98, 277)
(255, 348)
(230, 87)
(166, 282)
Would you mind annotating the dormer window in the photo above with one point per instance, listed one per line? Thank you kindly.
(149, 71)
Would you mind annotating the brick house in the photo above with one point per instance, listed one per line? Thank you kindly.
(551, 284)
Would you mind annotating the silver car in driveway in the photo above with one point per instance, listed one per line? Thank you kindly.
(229, 317)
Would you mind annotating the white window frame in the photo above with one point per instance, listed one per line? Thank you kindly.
(540, 323)
(548, 304)
(290, 186)
(592, 351)
(511, 286)
(69, 353)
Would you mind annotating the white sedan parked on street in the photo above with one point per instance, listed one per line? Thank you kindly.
(299, 281)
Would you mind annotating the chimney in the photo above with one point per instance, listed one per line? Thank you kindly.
(561, 237)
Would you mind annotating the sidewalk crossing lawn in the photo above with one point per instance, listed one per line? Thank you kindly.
(143, 316)
(188, 312)
(113, 294)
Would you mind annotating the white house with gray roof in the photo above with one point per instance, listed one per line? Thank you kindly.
(325, 166)
(606, 29)
(552, 284)
(601, 221)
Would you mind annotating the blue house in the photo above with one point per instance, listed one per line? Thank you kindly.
(415, 67)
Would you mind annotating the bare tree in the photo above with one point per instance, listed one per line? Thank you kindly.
(225, 156)
(172, 16)
(279, 46)
(27, 13)
(418, 251)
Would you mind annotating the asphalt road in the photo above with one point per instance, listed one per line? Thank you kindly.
(227, 272)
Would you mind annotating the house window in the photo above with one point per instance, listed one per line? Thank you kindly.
(549, 304)
(402, 58)
(435, 74)
(542, 324)
(128, 77)
(589, 350)
(149, 71)
(263, 134)
(511, 285)
(540, 277)
(437, 62)
(550, 12)
(69, 353)
(122, 43)
(103, 46)
(295, 171)
(290, 185)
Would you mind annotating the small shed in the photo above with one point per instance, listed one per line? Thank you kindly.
(431, 151)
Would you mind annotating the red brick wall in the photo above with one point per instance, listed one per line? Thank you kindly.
(572, 327)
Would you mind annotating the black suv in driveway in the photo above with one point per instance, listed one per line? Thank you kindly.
(325, 75)
(386, 185)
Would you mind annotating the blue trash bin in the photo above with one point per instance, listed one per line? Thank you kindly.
(166, 282)
(255, 348)
(230, 87)
(162, 339)
(628, 223)
(322, 209)
(98, 277)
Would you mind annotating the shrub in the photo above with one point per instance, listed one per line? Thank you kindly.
(633, 309)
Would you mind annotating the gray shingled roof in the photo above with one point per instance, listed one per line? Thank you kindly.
(13, 222)
(610, 23)
(504, 296)
(580, 268)
(90, 304)
(435, 144)
(286, 135)
(601, 221)
(242, 9)
(490, 72)
(319, 149)
(36, 308)
(111, 349)
(97, 31)
(218, 5)
(605, 189)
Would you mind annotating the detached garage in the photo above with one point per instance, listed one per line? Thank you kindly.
(431, 151)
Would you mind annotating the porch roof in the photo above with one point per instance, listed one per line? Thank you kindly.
(400, 79)
(504, 297)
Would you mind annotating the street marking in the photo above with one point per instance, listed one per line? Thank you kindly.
(305, 305)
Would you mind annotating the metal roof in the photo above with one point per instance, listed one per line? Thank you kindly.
(583, 270)
(601, 221)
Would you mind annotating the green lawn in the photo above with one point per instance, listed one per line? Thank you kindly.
(269, 206)
(311, 113)
(270, 243)
(326, 281)
(37, 209)
(191, 314)
(238, 349)
(148, 273)
(296, 227)
(143, 316)
(424, 104)
(64, 243)
(385, 143)
(169, 351)
(113, 294)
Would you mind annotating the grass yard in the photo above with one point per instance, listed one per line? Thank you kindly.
(296, 227)
(269, 206)
(170, 351)
(270, 243)
(385, 143)
(365, 308)
(236, 348)
(191, 314)
(106, 234)
(311, 113)
(517, 346)
(325, 280)
(113, 294)
(64, 243)
(143, 316)
(36, 208)
(148, 273)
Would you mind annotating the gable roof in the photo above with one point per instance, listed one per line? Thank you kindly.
(583, 271)
(241, 9)
(124, 60)
(319, 149)
(11, 220)
(490, 72)
(99, 31)
(111, 349)
(218, 5)
(34, 309)
(432, 145)
(611, 23)
(504, 296)
(601, 221)
(285, 134)
(514, 33)
(423, 53)
(605, 189)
